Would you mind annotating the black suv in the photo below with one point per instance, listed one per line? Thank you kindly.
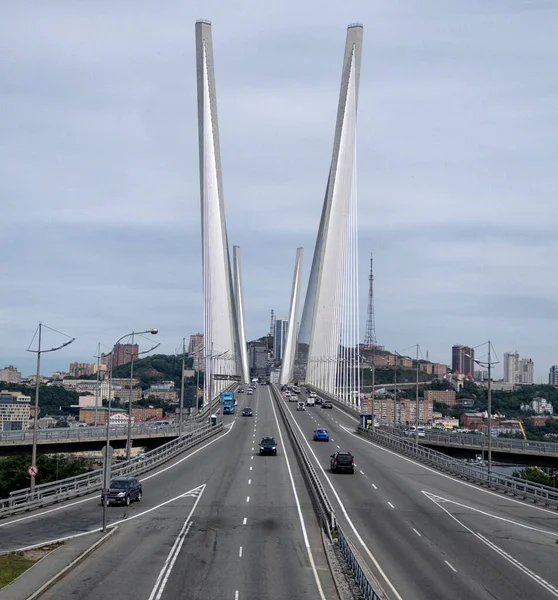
(268, 446)
(342, 461)
(327, 404)
(124, 490)
(247, 412)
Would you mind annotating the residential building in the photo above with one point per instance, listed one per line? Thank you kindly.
(87, 414)
(279, 338)
(89, 400)
(257, 359)
(10, 375)
(78, 369)
(540, 406)
(518, 370)
(424, 414)
(124, 394)
(122, 354)
(88, 386)
(463, 360)
(481, 375)
(162, 391)
(14, 411)
(553, 375)
(446, 397)
(195, 351)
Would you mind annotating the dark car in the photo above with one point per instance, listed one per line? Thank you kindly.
(327, 404)
(247, 412)
(342, 461)
(268, 446)
(124, 490)
(318, 400)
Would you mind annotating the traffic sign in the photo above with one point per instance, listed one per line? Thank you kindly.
(32, 471)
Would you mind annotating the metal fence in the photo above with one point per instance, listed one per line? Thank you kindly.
(58, 491)
(512, 485)
(325, 510)
(355, 567)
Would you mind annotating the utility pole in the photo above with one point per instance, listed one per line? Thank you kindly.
(98, 380)
(182, 386)
(396, 417)
(417, 402)
(489, 402)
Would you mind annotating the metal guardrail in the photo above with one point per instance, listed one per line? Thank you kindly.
(325, 510)
(116, 431)
(323, 504)
(362, 581)
(481, 442)
(58, 491)
(513, 485)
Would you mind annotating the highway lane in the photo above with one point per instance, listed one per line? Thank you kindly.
(243, 540)
(429, 546)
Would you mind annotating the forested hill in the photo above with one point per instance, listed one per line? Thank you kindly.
(155, 368)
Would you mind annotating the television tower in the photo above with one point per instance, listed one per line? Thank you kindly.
(370, 335)
(272, 324)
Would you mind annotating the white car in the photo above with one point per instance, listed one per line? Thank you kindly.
(300, 406)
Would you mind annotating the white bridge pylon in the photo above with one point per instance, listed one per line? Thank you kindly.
(222, 351)
(328, 356)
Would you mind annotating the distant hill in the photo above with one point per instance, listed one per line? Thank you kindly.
(155, 368)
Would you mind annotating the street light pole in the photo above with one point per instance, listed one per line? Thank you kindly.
(417, 402)
(130, 406)
(40, 351)
(182, 387)
(396, 417)
(489, 403)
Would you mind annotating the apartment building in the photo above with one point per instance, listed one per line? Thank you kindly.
(446, 397)
(14, 411)
(10, 375)
(195, 351)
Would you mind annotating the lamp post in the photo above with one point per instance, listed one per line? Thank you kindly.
(129, 441)
(181, 408)
(488, 364)
(38, 352)
(108, 449)
(417, 402)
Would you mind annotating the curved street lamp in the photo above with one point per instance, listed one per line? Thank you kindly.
(107, 449)
(38, 352)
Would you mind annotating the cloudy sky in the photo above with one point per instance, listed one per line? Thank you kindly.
(457, 154)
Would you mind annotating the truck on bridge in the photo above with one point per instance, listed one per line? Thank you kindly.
(227, 400)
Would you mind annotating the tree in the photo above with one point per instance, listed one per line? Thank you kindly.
(13, 470)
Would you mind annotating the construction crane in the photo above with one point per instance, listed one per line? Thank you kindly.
(522, 429)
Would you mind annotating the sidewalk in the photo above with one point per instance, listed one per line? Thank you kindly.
(50, 569)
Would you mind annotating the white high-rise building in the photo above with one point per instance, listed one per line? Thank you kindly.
(279, 339)
(518, 370)
(553, 375)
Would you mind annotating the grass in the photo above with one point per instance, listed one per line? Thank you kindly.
(13, 565)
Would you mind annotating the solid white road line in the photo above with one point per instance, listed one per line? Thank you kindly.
(96, 495)
(298, 507)
(547, 586)
(451, 566)
(161, 582)
(349, 521)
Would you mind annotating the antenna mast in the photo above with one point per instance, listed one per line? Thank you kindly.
(272, 324)
(370, 336)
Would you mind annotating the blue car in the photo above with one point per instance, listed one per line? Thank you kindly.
(321, 435)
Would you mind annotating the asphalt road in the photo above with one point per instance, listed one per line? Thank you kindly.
(432, 536)
(224, 523)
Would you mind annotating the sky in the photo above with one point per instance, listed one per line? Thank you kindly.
(457, 153)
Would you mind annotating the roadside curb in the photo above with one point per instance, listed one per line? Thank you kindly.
(61, 574)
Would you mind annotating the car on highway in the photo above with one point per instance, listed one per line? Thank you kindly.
(250, 392)
(321, 435)
(124, 490)
(318, 400)
(247, 412)
(327, 404)
(300, 406)
(240, 391)
(310, 401)
(268, 446)
(342, 461)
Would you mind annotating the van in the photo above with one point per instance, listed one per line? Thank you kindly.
(310, 401)
(300, 406)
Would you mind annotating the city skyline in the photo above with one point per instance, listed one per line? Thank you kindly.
(451, 140)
